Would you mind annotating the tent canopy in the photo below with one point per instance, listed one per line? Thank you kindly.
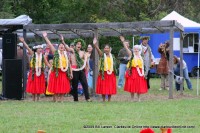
(14, 24)
(185, 22)
(20, 20)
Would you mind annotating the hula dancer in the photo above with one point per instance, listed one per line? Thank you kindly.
(36, 78)
(59, 78)
(106, 81)
(78, 60)
(135, 78)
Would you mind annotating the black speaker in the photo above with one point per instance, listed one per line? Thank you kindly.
(12, 79)
(9, 46)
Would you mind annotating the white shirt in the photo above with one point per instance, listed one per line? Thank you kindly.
(184, 63)
(144, 48)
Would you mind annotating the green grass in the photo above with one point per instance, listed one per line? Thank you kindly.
(28, 117)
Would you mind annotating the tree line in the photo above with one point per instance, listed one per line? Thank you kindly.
(83, 11)
(91, 11)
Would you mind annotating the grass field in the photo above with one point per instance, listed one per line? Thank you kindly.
(155, 109)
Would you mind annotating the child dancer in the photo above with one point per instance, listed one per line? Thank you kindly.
(135, 80)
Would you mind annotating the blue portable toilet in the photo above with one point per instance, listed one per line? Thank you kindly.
(190, 42)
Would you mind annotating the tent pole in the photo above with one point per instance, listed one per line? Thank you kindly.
(24, 63)
(96, 61)
(171, 53)
(198, 67)
(181, 60)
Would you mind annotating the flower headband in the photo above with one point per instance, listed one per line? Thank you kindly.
(20, 45)
(82, 42)
(137, 46)
(38, 46)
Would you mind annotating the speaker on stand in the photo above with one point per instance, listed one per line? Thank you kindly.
(12, 68)
(12, 79)
(9, 46)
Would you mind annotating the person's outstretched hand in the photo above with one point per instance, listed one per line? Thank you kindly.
(44, 34)
(21, 39)
(61, 37)
(95, 41)
(122, 38)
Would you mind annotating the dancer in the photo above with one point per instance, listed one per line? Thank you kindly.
(106, 81)
(78, 60)
(135, 78)
(36, 78)
(59, 78)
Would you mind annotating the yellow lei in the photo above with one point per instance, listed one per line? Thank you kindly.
(109, 64)
(64, 62)
(136, 62)
(39, 63)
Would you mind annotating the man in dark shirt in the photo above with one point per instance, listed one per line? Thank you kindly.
(123, 57)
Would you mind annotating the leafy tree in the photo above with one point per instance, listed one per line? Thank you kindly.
(92, 11)
(5, 10)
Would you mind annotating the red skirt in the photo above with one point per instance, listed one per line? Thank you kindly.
(37, 85)
(106, 86)
(135, 83)
(60, 84)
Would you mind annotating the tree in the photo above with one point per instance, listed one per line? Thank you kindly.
(5, 10)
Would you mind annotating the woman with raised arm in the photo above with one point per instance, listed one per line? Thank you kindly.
(163, 66)
(106, 81)
(90, 62)
(36, 78)
(135, 80)
(59, 78)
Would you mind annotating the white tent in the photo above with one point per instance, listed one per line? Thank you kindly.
(182, 20)
(20, 20)
(186, 24)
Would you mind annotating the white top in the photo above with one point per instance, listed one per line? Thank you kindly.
(180, 19)
(184, 64)
(144, 48)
